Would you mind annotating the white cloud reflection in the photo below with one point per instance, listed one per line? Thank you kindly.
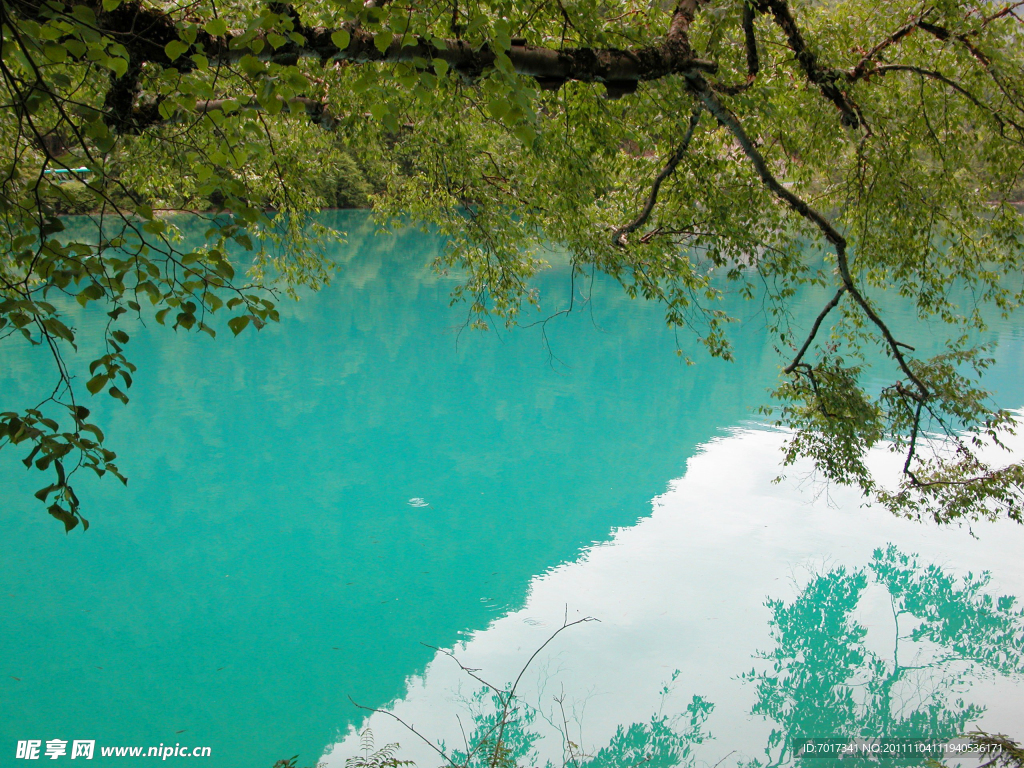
(684, 589)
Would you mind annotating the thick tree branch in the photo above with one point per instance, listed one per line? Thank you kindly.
(682, 19)
(750, 41)
(823, 77)
(146, 31)
(753, 60)
(119, 103)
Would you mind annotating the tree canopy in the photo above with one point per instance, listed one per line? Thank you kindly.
(846, 144)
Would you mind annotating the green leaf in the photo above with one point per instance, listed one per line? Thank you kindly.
(175, 48)
(341, 38)
(55, 53)
(95, 431)
(526, 134)
(42, 493)
(225, 270)
(75, 47)
(382, 40)
(84, 14)
(96, 383)
(216, 27)
(251, 65)
(69, 520)
(118, 66)
(498, 108)
(237, 324)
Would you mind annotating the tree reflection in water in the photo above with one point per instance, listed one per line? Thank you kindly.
(826, 683)
(823, 678)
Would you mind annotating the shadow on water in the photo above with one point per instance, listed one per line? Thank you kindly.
(308, 505)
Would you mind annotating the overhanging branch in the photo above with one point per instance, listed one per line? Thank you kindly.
(619, 236)
(702, 89)
(145, 33)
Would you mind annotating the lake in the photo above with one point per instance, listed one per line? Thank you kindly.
(319, 513)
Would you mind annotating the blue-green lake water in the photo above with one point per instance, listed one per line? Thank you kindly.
(314, 509)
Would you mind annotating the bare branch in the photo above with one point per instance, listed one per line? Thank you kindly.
(814, 329)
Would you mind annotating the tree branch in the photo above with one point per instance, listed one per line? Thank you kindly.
(824, 77)
(814, 329)
(1002, 120)
(619, 236)
(703, 91)
(146, 31)
(864, 66)
(753, 60)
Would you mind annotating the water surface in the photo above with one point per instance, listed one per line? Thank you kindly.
(311, 508)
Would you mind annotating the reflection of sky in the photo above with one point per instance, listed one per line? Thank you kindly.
(685, 589)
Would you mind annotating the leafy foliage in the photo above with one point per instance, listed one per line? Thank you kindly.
(780, 143)
(384, 757)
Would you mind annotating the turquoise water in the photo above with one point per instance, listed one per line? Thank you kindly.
(312, 507)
